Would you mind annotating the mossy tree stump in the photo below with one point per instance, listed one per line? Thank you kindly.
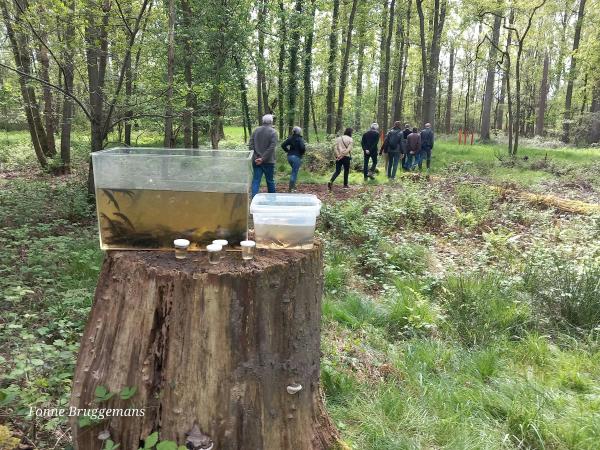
(209, 348)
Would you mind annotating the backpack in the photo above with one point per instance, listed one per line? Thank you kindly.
(394, 140)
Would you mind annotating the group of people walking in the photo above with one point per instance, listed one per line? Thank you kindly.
(407, 148)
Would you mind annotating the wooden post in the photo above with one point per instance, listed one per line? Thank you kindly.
(211, 349)
(459, 136)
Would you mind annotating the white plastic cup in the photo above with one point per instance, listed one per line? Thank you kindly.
(181, 248)
(223, 243)
(214, 253)
(248, 249)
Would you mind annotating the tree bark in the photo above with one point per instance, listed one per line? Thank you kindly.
(23, 63)
(572, 73)
(169, 140)
(541, 112)
(399, 52)
(430, 56)
(339, 118)
(260, 60)
(293, 65)
(207, 347)
(307, 70)
(486, 112)
(448, 117)
(281, 67)
(190, 97)
(49, 114)
(331, 72)
(405, 62)
(67, 110)
(360, 64)
(387, 27)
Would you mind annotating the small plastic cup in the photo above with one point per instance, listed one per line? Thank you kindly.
(214, 253)
(223, 243)
(248, 249)
(181, 248)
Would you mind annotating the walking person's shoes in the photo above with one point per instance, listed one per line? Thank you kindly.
(346, 186)
(329, 186)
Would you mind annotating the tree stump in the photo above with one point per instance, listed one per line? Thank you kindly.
(211, 349)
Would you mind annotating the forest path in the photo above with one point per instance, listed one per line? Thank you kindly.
(339, 193)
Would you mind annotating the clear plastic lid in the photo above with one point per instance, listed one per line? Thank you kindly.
(214, 248)
(181, 243)
(297, 204)
(248, 244)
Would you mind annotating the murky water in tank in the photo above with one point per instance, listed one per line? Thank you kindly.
(152, 219)
(284, 236)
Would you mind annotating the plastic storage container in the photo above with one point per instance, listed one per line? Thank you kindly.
(147, 197)
(285, 220)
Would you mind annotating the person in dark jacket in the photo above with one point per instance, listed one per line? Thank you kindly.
(407, 130)
(369, 143)
(413, 144)
(405, 157)
(262, 144)
(395, 145)
(295, 148)
(427, 140)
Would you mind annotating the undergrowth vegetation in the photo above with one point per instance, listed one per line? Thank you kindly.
(459, 319)
(453, 316)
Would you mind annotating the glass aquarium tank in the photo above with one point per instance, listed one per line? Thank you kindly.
(147, 197)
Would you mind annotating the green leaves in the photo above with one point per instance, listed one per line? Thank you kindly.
(128, 392)
(102, 394)
(167, 445)
(151, 440)
(110, 445)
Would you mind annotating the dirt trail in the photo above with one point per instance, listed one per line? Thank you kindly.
(562, 204)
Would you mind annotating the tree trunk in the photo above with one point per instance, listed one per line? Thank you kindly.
(486, 112)
(260, 60)
(307, 71)
(69, 68)
(448, 117)
(190, 97)
(331, 72)
(430, 56)
(169, 140)
(339, 118)
(594, 135)
(360, 68)
(211, 351)
(539, 122)
(49, 113)
(384, 64)
(281, 67)
(572, 73)
(23, 64)
(405, 62)
(293, 65)
(398, 68)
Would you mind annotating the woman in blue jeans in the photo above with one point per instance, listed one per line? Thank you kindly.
(295, 148)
